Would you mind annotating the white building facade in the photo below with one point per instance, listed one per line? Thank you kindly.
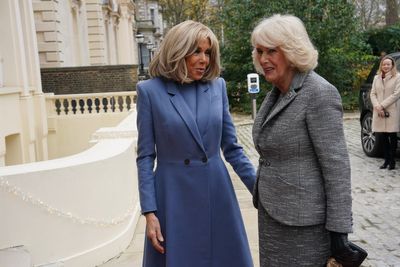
(23, 131)
(150, 30)
(74, 33)
(79, 210)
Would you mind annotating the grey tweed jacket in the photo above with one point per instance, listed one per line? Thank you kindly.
(303, 176)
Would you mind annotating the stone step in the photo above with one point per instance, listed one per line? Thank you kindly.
(15, 257)
(55, 264)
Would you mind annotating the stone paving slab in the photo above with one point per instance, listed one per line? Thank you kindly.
(376, 203)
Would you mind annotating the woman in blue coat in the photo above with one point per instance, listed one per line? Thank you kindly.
(192, 214)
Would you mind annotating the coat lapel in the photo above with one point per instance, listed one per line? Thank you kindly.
(286, 99)
(183, 110)
(265, 109)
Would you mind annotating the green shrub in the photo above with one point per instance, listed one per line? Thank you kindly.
(385, 40)
(350, 100)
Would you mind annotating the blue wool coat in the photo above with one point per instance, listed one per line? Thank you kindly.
(190, 188)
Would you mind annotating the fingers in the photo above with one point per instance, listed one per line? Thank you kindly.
(380, 112)
(159, 236)
(157, 245)
(156, 238)
(153, 231)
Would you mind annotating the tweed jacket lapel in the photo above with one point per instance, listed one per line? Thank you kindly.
(181, 107)
(265, 114)
(285, 100)
(264, 110)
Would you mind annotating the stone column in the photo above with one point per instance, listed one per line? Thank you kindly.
(50, 40)
(22, 76)
(96, 32)
(112, 26)
(125, 36)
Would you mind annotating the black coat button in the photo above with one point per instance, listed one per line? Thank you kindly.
(205, 159)
(186, 161)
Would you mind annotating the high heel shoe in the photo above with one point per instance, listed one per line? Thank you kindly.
(384, 166)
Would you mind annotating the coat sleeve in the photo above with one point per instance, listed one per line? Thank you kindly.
(373, 93)
(325, 126)
(233, 152)
(146, 153)
(394, 96)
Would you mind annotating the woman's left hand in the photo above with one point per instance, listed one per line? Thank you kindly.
(153, 232)
(342, 252)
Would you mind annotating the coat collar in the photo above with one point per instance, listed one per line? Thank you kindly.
(295, 86)
(387, 76)
(199, 127)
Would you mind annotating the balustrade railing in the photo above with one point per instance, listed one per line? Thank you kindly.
(110, 102)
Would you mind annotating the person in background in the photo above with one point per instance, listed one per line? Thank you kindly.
(385, 94)
(303, 187)
(192, 214)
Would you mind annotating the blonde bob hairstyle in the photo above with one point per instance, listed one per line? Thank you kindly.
(180, 42)
(393, 71)
(287, 33)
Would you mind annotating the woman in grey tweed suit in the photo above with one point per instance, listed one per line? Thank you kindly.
(303, 191)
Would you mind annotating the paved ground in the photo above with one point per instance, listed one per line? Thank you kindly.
(376, 204)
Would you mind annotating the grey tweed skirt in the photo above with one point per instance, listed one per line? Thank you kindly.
(291, 246)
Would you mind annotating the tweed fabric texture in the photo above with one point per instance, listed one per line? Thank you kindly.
(291, 246)
(304, 173)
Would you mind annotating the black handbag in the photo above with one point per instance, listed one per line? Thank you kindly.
(357, 256)
(362, 252)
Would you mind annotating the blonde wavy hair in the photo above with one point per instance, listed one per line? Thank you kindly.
(289, 34)
(180, 42)
(393, 71)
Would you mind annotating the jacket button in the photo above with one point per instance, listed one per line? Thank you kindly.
(186, 161)
(205, 159)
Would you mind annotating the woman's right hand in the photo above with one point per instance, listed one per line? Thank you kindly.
(380, 111)
(153, 232)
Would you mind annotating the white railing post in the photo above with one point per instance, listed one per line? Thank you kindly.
(124, 104)
(110, 102)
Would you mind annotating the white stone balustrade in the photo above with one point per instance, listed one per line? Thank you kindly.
(75, 104)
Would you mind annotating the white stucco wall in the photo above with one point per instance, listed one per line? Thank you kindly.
(79, 210)
(69, 135)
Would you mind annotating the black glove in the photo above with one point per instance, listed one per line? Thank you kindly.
(343, 253)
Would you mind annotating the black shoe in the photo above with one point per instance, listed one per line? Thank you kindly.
(384, 166)
(391, 167)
